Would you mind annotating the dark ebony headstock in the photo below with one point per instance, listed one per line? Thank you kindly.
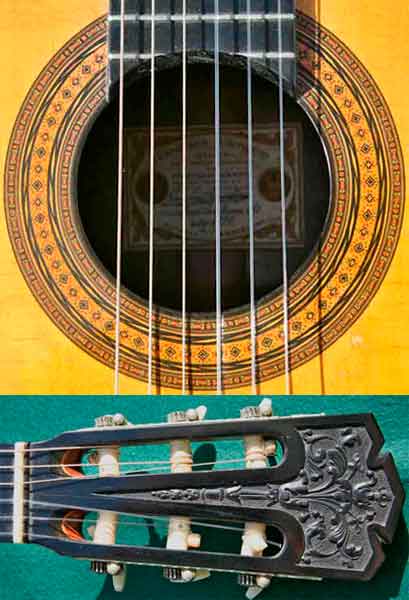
(330, 499)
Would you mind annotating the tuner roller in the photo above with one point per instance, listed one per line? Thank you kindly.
(254, 539)
(270, 447)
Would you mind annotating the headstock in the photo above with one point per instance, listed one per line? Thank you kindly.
(320, 511)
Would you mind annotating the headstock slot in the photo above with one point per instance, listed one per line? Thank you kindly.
(70, 462)
(151, 531)
(72, 525)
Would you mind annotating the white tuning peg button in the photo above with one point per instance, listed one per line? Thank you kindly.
(114, 568)
(191, 414)
(263, 581)
(253, 592)
(196, 414)
(119, 579)
(201, 574)
(188, 575)
(119, 419)
(201, 412)
(266, 407)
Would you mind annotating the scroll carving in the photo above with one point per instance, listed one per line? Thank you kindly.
(335, 497)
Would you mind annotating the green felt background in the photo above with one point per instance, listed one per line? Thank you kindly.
(34, 573)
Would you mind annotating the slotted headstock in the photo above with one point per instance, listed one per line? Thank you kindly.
(320, 508)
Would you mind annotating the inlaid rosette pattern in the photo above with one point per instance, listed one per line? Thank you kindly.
(327, 294)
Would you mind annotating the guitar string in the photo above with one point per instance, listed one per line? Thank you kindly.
(37, 536)
(217, 202)
(151, 198)
(253, 324)
(184, 155)
(119, 199)
(48, 448)
(218, 274)
(123, 523)
(124, 473)
(28, 450)
(120, 463)
(283, 206)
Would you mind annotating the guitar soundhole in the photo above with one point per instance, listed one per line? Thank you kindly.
(306, 187)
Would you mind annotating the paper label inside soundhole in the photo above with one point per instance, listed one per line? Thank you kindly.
(200, 183)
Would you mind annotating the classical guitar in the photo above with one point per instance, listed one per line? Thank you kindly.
(204, 196)
(310, 497)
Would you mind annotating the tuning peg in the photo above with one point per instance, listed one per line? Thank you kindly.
(108, 461)
(255, 584)
(118, 572)
(177, 575)
(254, 591)
(201, 574)
(201, 412)
(180, 535)
(264, 409)
(254, 539)
(191, 414)
(257, 450)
